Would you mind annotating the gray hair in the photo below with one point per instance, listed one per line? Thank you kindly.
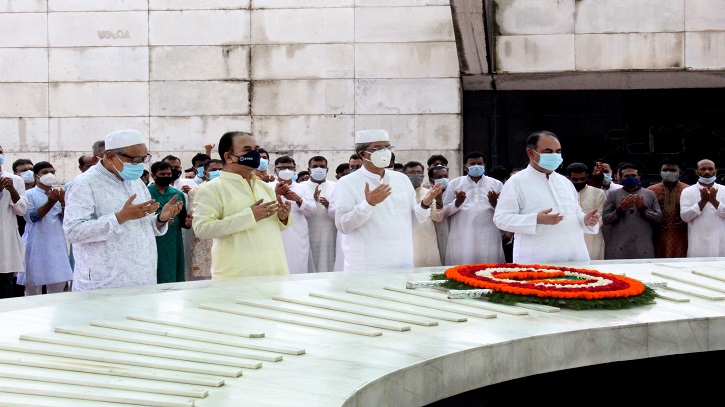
(117, 151)
(361, 146)
(98, 148)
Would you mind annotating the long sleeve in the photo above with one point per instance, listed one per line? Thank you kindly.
(79, 224)
(19, 208)
(208, 222)
(507, 216)
(349, 216)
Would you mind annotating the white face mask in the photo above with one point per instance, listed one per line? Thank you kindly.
(48, 180)
(318, 174)
(28, 176)
(381, 158)
(286, 174)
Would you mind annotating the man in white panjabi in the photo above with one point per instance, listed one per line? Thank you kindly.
(589, 198)
(469, 203)
(425, 240)
(296, 238)
(110, 218)
(542, 209)
(375, 208)
(701, 206)
(13, 203)
(323, 233)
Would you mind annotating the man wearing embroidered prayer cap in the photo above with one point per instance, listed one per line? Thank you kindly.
(375, 208)
(110, 218)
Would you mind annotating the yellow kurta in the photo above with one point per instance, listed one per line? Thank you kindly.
(242, 246)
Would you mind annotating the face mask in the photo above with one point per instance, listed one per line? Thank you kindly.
(286, 174)
(549, 161)
(251, 159)
(669, 176)
(607, 178)
(416, 180)
(175, 174)
(706, 181)
(443, 181)
(2, 159)
(318, 174)
(476, 170)
(381, 158)
(163, 181)
(579, 185)
(200, 171)
(263, 164)
(28, 176)
(630, 182)
(198, 180)
(130, 171)
(352, 170)
(214, 174)
(48, 180)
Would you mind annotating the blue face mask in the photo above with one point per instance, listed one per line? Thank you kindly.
(444, 181)
(263, 164)
(549, 161)
(318, 174)
(707, 181)
(130, 171)
(630, 182)
(2, 159)
(200, 171)
(352, 170)
(198, 180)
(476, 170)
(214, 174)
(607, 178)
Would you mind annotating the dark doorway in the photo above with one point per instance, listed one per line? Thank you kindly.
(640, 126)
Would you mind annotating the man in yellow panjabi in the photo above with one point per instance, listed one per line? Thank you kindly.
(242, 215)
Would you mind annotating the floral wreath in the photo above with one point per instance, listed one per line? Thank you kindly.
(550, 285)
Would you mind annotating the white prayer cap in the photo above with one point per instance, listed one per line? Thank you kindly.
(123, 138)
(369, 136)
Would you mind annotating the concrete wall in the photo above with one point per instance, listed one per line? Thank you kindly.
(609, 35)
(302, 75)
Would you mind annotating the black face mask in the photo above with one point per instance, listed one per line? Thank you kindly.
(251, 159)
(163, 181)
(579, 185)
(175, 174)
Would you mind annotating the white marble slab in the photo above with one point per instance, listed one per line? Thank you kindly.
(396, 368)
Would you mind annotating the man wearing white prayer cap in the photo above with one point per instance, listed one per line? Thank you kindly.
(376, 210)
(110, 218)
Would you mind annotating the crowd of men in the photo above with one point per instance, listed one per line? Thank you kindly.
(120, 224)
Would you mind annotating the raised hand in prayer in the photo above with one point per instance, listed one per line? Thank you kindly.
(591, 218)
(54, 195)
(545, 217)
(208, 147)
(321, 199)
(493, 197)
(627, 202)
(281, 189)
(460, 197)
(131, 211)
(171, 209)
(185, 189)
(283, 211)
(377, 195)
(263, 210)
(7, 183)
(292, 196)
(434, 192)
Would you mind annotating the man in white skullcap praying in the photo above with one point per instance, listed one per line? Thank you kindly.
(110, 218)
(376, 209)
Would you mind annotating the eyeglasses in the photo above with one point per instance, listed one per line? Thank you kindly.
(138, 160)
(391, 148)
(287, 168)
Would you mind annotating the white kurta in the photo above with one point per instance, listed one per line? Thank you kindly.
(473, 238)
(46, 251)
(108, 254)
(706, 227)
(425, 240)
(380, 236)
(593, 198)
(523, 196)
(323, 233)
(13, 250)
(296, 238)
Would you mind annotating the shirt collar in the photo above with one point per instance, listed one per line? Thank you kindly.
(368, 174)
